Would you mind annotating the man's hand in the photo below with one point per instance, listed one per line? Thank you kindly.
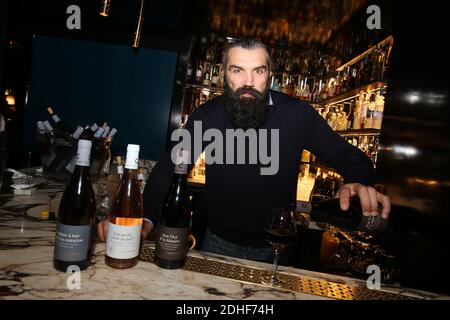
(102, 229)
(368, 196)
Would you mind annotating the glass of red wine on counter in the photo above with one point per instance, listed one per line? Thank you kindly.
(280, 231)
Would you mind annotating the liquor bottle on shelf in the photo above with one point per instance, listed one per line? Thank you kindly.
(215, 76)
(379, 109)
(330, 211)
(350, 118)
(74, 238)
(207, 74)
(125, 218)
(173, 227)
(199, 72)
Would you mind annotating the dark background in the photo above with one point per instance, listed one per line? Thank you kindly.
(416, 114)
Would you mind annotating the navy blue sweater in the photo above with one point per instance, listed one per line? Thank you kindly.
(237, 197)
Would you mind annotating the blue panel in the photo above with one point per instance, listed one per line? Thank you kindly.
(89, 81)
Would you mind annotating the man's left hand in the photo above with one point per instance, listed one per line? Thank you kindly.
(368, 196)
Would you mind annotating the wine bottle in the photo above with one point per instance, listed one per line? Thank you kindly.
(112, 132)
(173, 227)
(58, 121)
(41, 128)
(77, 133)
(48, 126)
(353, 219)
(106, 132)
(125, 217)
(74, 242)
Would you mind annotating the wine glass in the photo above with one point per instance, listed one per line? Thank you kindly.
(280, 231)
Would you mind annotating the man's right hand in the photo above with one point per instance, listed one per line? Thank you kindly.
(102, 229)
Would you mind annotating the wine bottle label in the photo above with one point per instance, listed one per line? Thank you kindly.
(41, 127)
(181, 161)
(76, 134)
(56, 118)
(132, 159)
(303, 206)
(94, 127)
(181, 168)
(112, 132)
(48, 126)
(99, 132)
(72, 242)
(122, 242)
(83, 153)
(373, 224)
(119, 169)
(171, 243)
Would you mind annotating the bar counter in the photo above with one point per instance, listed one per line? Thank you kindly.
(26, 271)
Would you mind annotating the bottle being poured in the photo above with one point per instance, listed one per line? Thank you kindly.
(330, 211)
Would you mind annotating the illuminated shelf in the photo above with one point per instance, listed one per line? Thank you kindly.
(388, 40)
(353, 93)
(359, 132)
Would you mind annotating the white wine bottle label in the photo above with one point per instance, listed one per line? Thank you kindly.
(47, 125)
(94, 127)
(83, 153)
(72, 242)
(56, 118)
(122, 242)
(112, 132)
(41, 127)
(181, 161)
(99, 132)
(119, 169)
(132, 159)
(171, 243)
(77, 133)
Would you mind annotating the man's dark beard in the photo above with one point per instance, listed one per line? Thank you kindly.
(244, 112)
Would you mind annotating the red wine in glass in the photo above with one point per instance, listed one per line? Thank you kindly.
(280, 231)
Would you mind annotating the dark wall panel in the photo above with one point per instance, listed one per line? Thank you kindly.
(413, 167)
(87, 81)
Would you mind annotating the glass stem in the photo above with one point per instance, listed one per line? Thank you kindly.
(275, 263)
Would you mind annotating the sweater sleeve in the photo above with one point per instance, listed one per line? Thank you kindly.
(330, 147)
(160, 178)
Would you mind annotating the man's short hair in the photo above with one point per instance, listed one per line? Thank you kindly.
(246, 43)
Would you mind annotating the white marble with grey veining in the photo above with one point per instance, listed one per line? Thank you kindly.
(26, 272)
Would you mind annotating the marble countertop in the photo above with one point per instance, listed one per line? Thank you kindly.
(26, 271)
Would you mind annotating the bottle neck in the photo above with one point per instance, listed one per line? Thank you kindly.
(129, 174)
(81, 171)
(179, 177)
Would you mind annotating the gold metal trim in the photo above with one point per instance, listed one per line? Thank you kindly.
(293, 283)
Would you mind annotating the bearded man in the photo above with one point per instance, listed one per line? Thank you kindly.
(237, 197)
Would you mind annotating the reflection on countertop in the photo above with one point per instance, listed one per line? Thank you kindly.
(26, 271)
